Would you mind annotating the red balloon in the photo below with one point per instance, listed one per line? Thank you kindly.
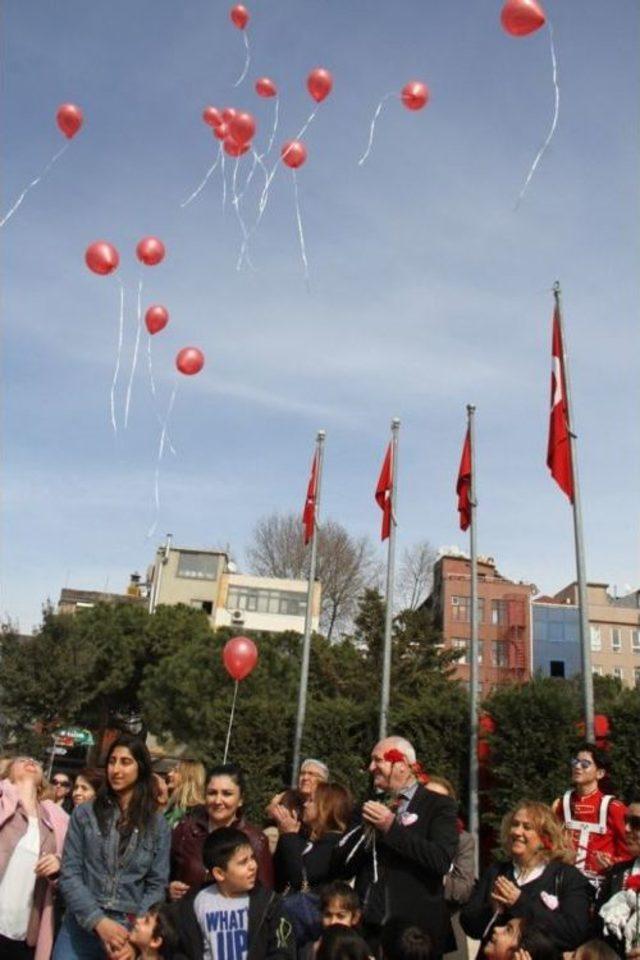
(520, 17)
(233, 148)
(228, 114)
(319, 84)
(150, 251)
(293, 153)
(239, 16)
(239, 655)
(221, 131)
(212, 116)
(69, 118)
(415, 95)
(190, 360)
(242, 127)
(102, 257)
(265, 87)
(156, 318)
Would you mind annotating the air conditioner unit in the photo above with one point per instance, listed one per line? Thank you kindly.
(237, 616)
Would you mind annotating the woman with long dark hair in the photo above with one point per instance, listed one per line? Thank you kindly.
(115, 863)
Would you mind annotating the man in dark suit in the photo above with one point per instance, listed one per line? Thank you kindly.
(401, 850)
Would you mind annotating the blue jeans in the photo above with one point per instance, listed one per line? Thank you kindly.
(75, 943)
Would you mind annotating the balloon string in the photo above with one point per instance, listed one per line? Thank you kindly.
(233, 710)
(224, 182)
(154, 393)
(373, 127)
(305, 125)
(201, 186)
(161, 445)
(265, 192)
(303, 251)
(276, 114)
(554, 122)
(134, 362)
(247, 59)
(118, 354)
(245, 243)
(33, 183)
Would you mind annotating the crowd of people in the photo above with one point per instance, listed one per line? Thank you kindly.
(123, 862)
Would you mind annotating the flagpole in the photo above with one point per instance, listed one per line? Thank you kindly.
(306, 643)
(585, 637)
(474, 827)
(391, 558)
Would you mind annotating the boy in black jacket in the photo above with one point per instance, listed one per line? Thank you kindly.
(232, 918)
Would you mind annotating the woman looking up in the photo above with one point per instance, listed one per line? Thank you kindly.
(116, 858)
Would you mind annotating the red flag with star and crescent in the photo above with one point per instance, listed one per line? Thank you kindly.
(384, 491)
(463, 484)
(309, 512)
(559, 445)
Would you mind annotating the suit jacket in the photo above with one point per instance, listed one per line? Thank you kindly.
(404, 880)
(612, 883)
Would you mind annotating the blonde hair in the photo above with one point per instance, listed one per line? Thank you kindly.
(555, 843)
(44, 790)
(5, 764)
(190, 792)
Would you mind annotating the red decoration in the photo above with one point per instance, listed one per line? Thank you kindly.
(633, 882)
(212, 116)
(293, 153)
(221, 131)
(102, 257)
(190, 360)
(520, 17)
(239, 655)
(265, 87)
(150, 251)
(239, 16)
(156, 318)
(415, 95)
(228, 114)
(242, 127)
(233, 148)
(69, 118)
(394, 756)
(319, 84)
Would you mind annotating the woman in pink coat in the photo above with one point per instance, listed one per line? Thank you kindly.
(32, 833)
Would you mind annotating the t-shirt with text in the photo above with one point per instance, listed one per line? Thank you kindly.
(224, 922)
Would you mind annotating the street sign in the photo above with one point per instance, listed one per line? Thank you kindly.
(74, 736)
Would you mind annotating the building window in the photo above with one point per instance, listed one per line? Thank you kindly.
(500, 653)
(262, 600)
(461, 646)
(556, 668)
(499, 612)
(596, 669)
(635, 641)
(618, 673)
(461, 609)
(596, 639)
(197, 566)
(616, 639)
(206, 605)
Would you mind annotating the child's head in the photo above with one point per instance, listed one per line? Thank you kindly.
(229, 858)
(595, 950)
(155, 933)
(401, 940)
(339, 903)
(342, 943)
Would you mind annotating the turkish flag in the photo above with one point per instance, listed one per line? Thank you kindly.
(463, 485)
(309, 512)
(384, 491)
(559, 445)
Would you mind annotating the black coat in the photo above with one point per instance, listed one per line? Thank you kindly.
(270, 935)
(292, 865)
(412, 859)
(568, 925)
(612, 883)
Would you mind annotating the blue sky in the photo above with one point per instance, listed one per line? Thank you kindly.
(428, 289)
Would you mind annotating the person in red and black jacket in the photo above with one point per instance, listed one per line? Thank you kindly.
(224, 799)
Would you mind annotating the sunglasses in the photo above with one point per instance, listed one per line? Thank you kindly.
(632, 822)
(582, 764)
(60, 783)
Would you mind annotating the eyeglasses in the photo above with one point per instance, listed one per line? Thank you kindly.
(60, 783)
(632, 822)
(583, 764)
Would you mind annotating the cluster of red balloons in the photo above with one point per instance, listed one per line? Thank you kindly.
(69, 119)
(521, 17)
(236, 129)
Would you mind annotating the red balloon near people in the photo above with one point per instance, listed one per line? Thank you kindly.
(522, 17)
(150, 251)
(189, 361)
(240, 656)
(415, 95)
(212, 116)
(293, 153)
(239, 16)
(156, 318)
(319, 84)
(102, 257)
(242, 127)
(69, 119)
(265, 87)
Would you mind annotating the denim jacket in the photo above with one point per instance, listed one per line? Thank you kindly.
(96, 880)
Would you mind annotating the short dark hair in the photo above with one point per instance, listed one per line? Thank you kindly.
(221, 845)
(165, 928)
(342, 891)
(536, 942)
(401, 940)
(342, 943)
(599, 756)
